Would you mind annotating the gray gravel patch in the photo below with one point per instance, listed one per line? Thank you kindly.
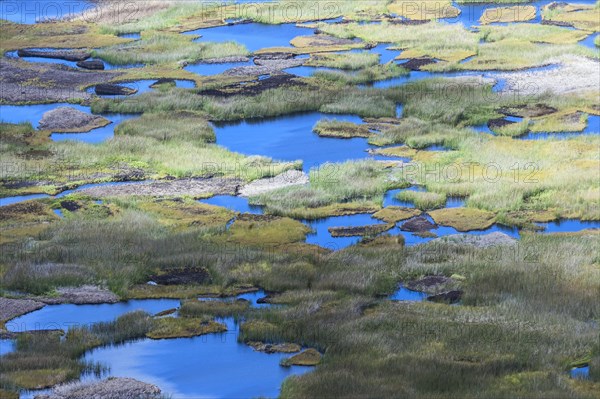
(11, 308)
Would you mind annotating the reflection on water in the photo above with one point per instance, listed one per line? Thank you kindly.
(291, 138)
(209, 366)
(65, 316)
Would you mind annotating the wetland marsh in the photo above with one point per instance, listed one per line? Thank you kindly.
(283, 199)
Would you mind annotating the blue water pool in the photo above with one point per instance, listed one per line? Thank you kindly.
(65, 316)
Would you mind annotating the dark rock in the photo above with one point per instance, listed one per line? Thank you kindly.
(369, 230)
(557, 23)
(166, 312)
(163, 81)
(418, 224)
(528, 111)
(92, 64)
(190, 275)
(108, 89)
(265, 299)
(273, 56)
(415, 64)
(255, 88)
(225, 60)
(397, 21)
(446, 297)
(70, 120)
(70, 205)
(499, 123)
(67, 55)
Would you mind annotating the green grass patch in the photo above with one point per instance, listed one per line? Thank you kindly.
(181, 126)
(266, 231)
(349, 61)
(354, 181)
(341, 129)
(534, 33)
(423, 199)
(581, 16)
(164, 47)
(196, 308)
(366, 75)
(512, 129)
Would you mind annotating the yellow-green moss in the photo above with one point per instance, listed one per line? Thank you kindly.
(401, 151)
(171, 327)
(464, 219)
(54, 35)
(196, 308)
(308, 357)
(564, 121)
(183, 214)
(341, 129)
(265, 230)
(581, 16)
(25, 219)
(39, 378)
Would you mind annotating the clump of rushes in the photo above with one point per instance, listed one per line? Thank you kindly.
(581, 16)
(165, 47)
(424, 200)
(353, 181)
(511, 129)
(286, 99)
(394, 214)
(349, 61)
(185, 126)
(534, 33)
(448, 42)
(341, 129)
(215, 308)
(57, 163)
(366, 75)
(308, 357)
(564, 121)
